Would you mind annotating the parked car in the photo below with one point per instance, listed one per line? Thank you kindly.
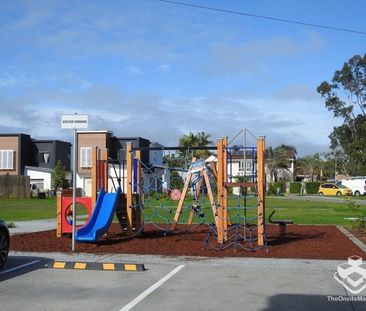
(357, 185)
(4, 243)
(334, 189)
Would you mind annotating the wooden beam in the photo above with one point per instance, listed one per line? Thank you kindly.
(224, 190)
(198, 192)
(261, 180)
(94, 174)
(181, 199)
(104, 167)
(220, 189)
(213, 169)
(241, 184)
(59, 213)
(137, 211)
(210, 195)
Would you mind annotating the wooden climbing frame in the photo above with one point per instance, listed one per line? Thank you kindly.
(203, 175)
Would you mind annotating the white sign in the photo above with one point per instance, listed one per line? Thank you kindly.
(74, 121)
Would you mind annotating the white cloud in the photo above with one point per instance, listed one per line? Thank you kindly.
(165, 120)
(234, 56)
(11, 80)
(133, 70)
(164, 68)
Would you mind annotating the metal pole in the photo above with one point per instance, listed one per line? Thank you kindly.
(74, 190)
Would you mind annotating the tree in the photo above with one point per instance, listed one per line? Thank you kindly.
(345, 96)
(279, 158)
(310, 165)
(59, 176)
(336, 162)
(176, 181)
(201, 139)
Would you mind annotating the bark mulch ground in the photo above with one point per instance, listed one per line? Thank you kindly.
(361, 235)
(301, 241)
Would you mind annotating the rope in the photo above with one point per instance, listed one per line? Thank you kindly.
(158, 210)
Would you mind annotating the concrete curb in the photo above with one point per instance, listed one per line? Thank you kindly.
(349, 235)
(174, 260)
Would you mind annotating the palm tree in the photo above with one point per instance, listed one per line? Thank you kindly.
(279, 157)
(201, 139)
(310, 165)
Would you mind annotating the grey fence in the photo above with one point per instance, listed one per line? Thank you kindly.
(14, 187)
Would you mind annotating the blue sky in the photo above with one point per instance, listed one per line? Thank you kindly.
(158, 70)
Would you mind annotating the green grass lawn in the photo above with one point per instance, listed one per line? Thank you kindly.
(27, 209)
(301, 212)
(313, 212)
(163, 210)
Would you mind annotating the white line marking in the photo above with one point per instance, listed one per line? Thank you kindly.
(20, 267)
(147, 292)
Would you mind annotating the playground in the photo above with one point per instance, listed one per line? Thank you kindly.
(199, 205)
(200, 218)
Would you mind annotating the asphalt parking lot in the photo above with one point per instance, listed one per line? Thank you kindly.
(171, 284)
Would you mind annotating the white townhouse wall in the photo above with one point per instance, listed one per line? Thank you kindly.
(40, 176)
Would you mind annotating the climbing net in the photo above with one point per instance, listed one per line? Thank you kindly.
(157, 203)
(242, 219)
(181, 199)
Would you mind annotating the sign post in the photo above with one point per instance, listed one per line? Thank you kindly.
(74, 121)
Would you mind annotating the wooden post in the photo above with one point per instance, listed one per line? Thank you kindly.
(59, 213)
(198, 192)
(181, 199)
(220, 186)
(213, 169)
(261, 189)
(224, 190)
(210, 195)
(104, 167)
(129, 194)
(94, 174)
(138, 192)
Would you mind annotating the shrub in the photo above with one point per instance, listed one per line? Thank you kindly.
(176, 181)
(295, 187)
(275, 185)
(312, 187)
(59, 176)
(358, 225)
(351, 203)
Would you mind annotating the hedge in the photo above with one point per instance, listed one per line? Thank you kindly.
(273, 187)
(312, 187)
(295, 187)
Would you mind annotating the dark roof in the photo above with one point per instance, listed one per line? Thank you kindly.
(39, 169)
(132, 138)
(13, 134)
(50, 141)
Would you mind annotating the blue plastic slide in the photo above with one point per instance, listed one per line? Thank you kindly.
(101, 219)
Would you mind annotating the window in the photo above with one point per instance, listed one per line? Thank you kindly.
(85, 157)
(248, 167)
(44, 157)
(7, 159)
